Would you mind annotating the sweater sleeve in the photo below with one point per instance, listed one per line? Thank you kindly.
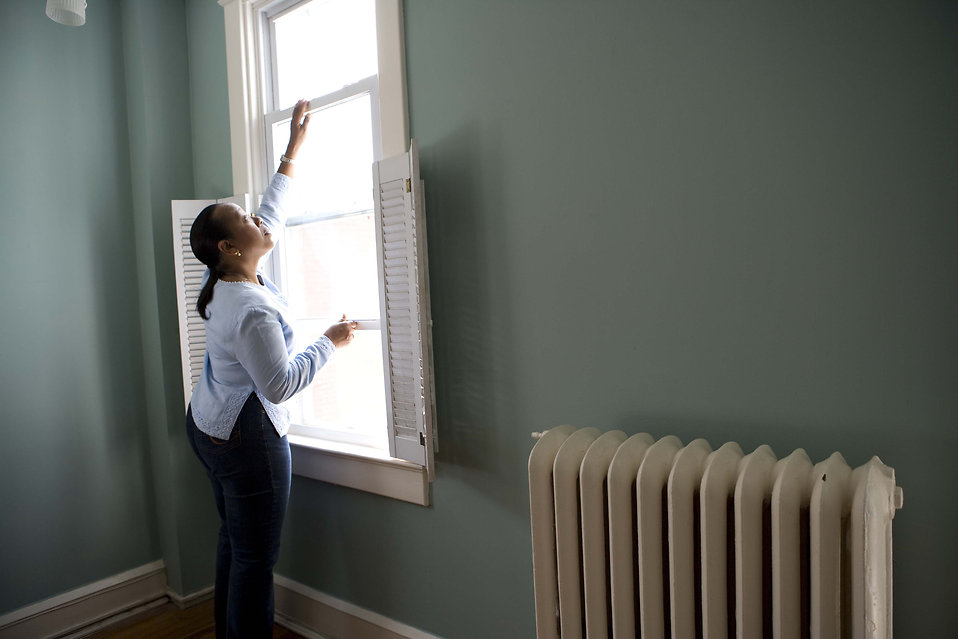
(261, 350)
(274, 207)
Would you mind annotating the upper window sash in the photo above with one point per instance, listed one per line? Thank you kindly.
(246, 45)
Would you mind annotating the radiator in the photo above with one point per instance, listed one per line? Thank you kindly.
(634, 537)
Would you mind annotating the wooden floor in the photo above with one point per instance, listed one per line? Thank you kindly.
(169, 622)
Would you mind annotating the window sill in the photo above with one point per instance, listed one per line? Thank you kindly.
(359, 467)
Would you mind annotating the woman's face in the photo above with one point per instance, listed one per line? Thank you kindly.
(247, 232)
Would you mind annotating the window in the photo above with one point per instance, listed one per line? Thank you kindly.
(346, 57)
(325, 50)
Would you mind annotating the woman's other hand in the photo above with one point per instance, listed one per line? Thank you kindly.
(341, 333)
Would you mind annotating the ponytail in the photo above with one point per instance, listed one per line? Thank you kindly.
(207, 293)
(205, 236)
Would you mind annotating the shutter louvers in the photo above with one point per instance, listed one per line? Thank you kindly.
(193, 271)
(404, 308)
(189, 281)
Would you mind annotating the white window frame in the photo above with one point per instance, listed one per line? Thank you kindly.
(275, 265)
(353, 466)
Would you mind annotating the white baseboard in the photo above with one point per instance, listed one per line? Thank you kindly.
(83, 611)
(187, 601)
(316, 615)
(79, 612)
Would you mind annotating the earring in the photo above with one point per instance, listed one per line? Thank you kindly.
(238, 254)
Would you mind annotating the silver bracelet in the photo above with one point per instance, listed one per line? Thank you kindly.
(288, 160)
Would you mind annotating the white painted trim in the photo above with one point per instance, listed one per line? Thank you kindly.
(361, 468)
(317, 615)
(234, 24)
(188, 601)
(243, 71)
(79, 609)
(393, 105)
(83, 611)
(94, 628)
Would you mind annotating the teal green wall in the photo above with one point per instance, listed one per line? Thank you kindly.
(96, 141)
(730, 220)
(156, 60)
(76, 492)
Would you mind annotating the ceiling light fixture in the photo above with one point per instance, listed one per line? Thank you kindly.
(69, 12)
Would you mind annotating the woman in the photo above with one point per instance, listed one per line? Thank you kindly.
(234, 421)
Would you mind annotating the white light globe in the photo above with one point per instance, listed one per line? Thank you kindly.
(69, 12)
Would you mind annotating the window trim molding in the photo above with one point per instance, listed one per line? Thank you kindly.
(394, 111)
(244, 81)
(368, 470)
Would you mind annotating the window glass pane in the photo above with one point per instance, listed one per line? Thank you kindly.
(334, 169)
(331, 267)
(322, 46)
(348, 393)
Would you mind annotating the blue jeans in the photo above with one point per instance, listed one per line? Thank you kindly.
(250, 473)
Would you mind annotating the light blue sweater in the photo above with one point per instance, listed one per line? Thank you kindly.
(249, 344)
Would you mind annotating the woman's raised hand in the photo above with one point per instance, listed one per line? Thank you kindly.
(298, 127)
(297, 135)
(341, 333)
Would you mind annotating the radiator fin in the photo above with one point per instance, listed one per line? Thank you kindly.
(751, 550)
(594, 497)
(826, 515)
(653, 581)
(790, 498)
(718, 562)
(623, 533)
(568, 537)
(684, 540)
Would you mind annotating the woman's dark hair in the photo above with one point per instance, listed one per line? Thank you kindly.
(205, 236)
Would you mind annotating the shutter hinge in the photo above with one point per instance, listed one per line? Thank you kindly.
(422, 439)
(408, 185)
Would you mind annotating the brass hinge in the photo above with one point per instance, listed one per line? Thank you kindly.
(408, 185)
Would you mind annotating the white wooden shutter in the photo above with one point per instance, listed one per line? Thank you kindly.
(404, 308)
(189, 281)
